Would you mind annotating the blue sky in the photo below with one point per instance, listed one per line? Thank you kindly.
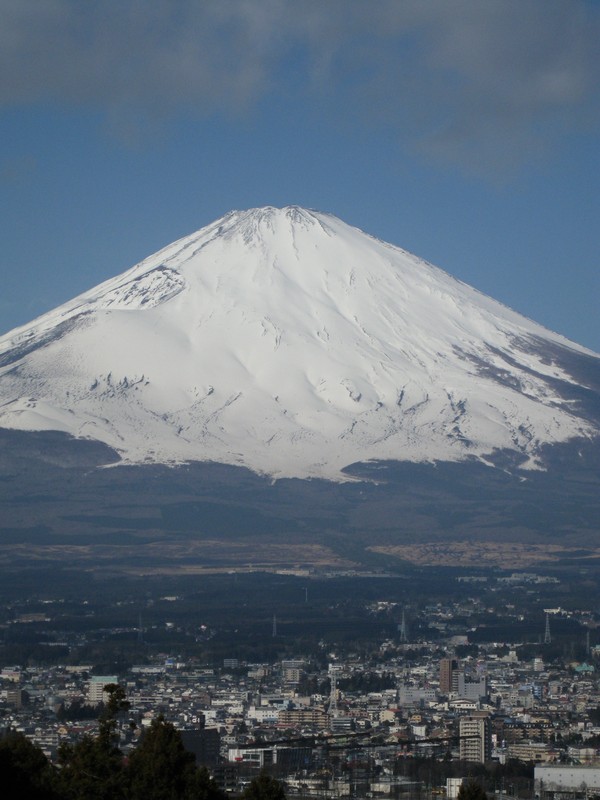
(464, 131)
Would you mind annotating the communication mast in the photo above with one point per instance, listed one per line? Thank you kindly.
(403, 633)
(547, 637)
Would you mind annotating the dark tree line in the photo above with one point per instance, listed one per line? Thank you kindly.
(363, 682)
(94, 769)
(160, 768)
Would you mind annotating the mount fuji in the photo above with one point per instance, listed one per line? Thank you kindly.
(287, 342)
(281, 389)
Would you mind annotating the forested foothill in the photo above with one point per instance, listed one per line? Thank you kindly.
(66, 616)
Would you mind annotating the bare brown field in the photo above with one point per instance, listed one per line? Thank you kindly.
(505, 555)
(173, 558)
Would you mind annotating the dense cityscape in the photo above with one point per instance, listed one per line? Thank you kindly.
(402, 698)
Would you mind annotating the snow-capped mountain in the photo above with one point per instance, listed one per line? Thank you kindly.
(289, 342)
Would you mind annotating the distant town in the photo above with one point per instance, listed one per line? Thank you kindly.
(388, 696)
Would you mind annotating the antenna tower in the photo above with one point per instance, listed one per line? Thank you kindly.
(403, 634)
(547, 637)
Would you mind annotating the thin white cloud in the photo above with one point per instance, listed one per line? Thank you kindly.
(459, 79)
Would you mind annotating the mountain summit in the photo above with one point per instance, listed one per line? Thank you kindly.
(288, 342)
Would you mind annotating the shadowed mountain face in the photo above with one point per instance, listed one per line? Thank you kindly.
(58, 506)
(282, 386)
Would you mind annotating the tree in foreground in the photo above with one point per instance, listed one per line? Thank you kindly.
(264, 787)
(471, 790)
(25, 770)
(160, 768)
(93, 769)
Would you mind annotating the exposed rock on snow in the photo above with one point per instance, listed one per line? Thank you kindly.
(289, 342)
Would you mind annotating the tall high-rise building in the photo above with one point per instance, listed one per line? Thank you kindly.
(475, 738)
(95, 689)
(447, 668)
(203, 742)
(333, 709)
(291, 671)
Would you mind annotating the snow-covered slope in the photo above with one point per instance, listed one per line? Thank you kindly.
(289, 342)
